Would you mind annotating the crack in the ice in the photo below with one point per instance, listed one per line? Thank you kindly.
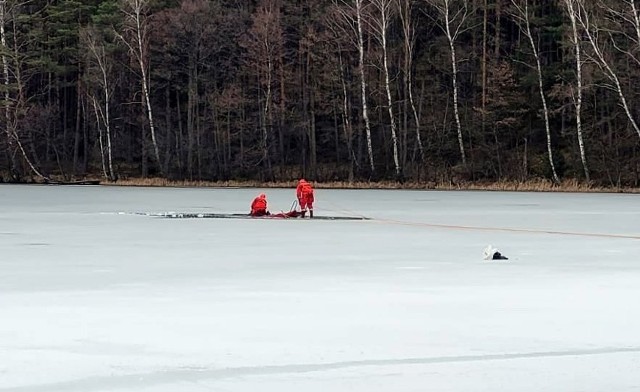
(191, 374)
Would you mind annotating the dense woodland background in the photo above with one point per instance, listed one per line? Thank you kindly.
(410, 90)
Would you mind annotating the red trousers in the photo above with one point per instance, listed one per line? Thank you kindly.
(306, 201)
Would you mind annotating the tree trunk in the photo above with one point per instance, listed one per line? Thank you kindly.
(96, 110)
(409, 42)
(363, 83)
(523, 16)
(190, 121)
(281, 116)
(143, 147)
(498, 27)
(578, 96)
(313, 149)
(384, 9)
(346, 123)
(451, 26)
(451, 37)
(483, 103)
(135, 15)
(267, 123)
(179, 136)
(103, 114)
(197, 122)
(168, 128)
(108, 128)
(145, 88)
(635, 19)
(20, 103)
(77, 128)
(7, 111)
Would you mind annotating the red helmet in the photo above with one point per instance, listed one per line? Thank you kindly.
(262, 196)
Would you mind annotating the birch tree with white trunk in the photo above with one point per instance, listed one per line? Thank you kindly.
(570, 6)
(137, 40)
(624, 18)
(339, 31)
(352, 13)
(5, 74)
(521, 16)
(409, 41)
(452, 17)
(100, 62)
(380, 22)
(97, 110)
(15, 104)
(592, 32)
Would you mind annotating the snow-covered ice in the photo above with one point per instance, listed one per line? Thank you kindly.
(96, 298)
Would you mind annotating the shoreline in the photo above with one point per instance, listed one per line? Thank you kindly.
(535, 185)
(506, 186)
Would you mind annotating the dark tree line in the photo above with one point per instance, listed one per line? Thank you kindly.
(418, 90)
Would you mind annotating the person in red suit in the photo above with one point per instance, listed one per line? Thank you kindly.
(259, 206)
(304, 192)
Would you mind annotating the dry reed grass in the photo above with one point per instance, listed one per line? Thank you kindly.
(536, 185)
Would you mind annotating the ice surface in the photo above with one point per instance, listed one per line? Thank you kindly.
(96, 298)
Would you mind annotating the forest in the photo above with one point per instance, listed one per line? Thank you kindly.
(333, 90)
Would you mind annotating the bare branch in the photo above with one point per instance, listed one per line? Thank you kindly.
(591, 33)
(522, 17)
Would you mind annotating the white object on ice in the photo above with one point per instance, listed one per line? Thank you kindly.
(488, 252)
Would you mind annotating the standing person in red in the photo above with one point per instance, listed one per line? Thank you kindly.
(304, 192)
(259, 206)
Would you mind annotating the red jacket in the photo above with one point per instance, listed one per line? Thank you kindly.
(259, 203)
(304, 190)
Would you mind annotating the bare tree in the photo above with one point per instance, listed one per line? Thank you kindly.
(137, 40)
(190, 32)
(483, 102)
(264, 43)
(338, 32)
(452, 16)
(521, 15)
(409, 37)
(97, 110)
(346, 121)
(380, 23)
(577, 96)
(625, 17)
(5, 74)
(98, 59)
(352, 12)
(635, 19)
(591, 32)
(15, 106)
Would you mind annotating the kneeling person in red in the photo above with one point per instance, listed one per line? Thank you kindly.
(304, 192)
(259, 206)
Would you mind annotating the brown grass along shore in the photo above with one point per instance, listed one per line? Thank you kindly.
(540, 185)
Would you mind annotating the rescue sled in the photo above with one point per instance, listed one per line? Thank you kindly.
(293, 213)
(282, 215)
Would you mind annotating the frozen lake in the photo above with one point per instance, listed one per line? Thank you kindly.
(96, 298)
